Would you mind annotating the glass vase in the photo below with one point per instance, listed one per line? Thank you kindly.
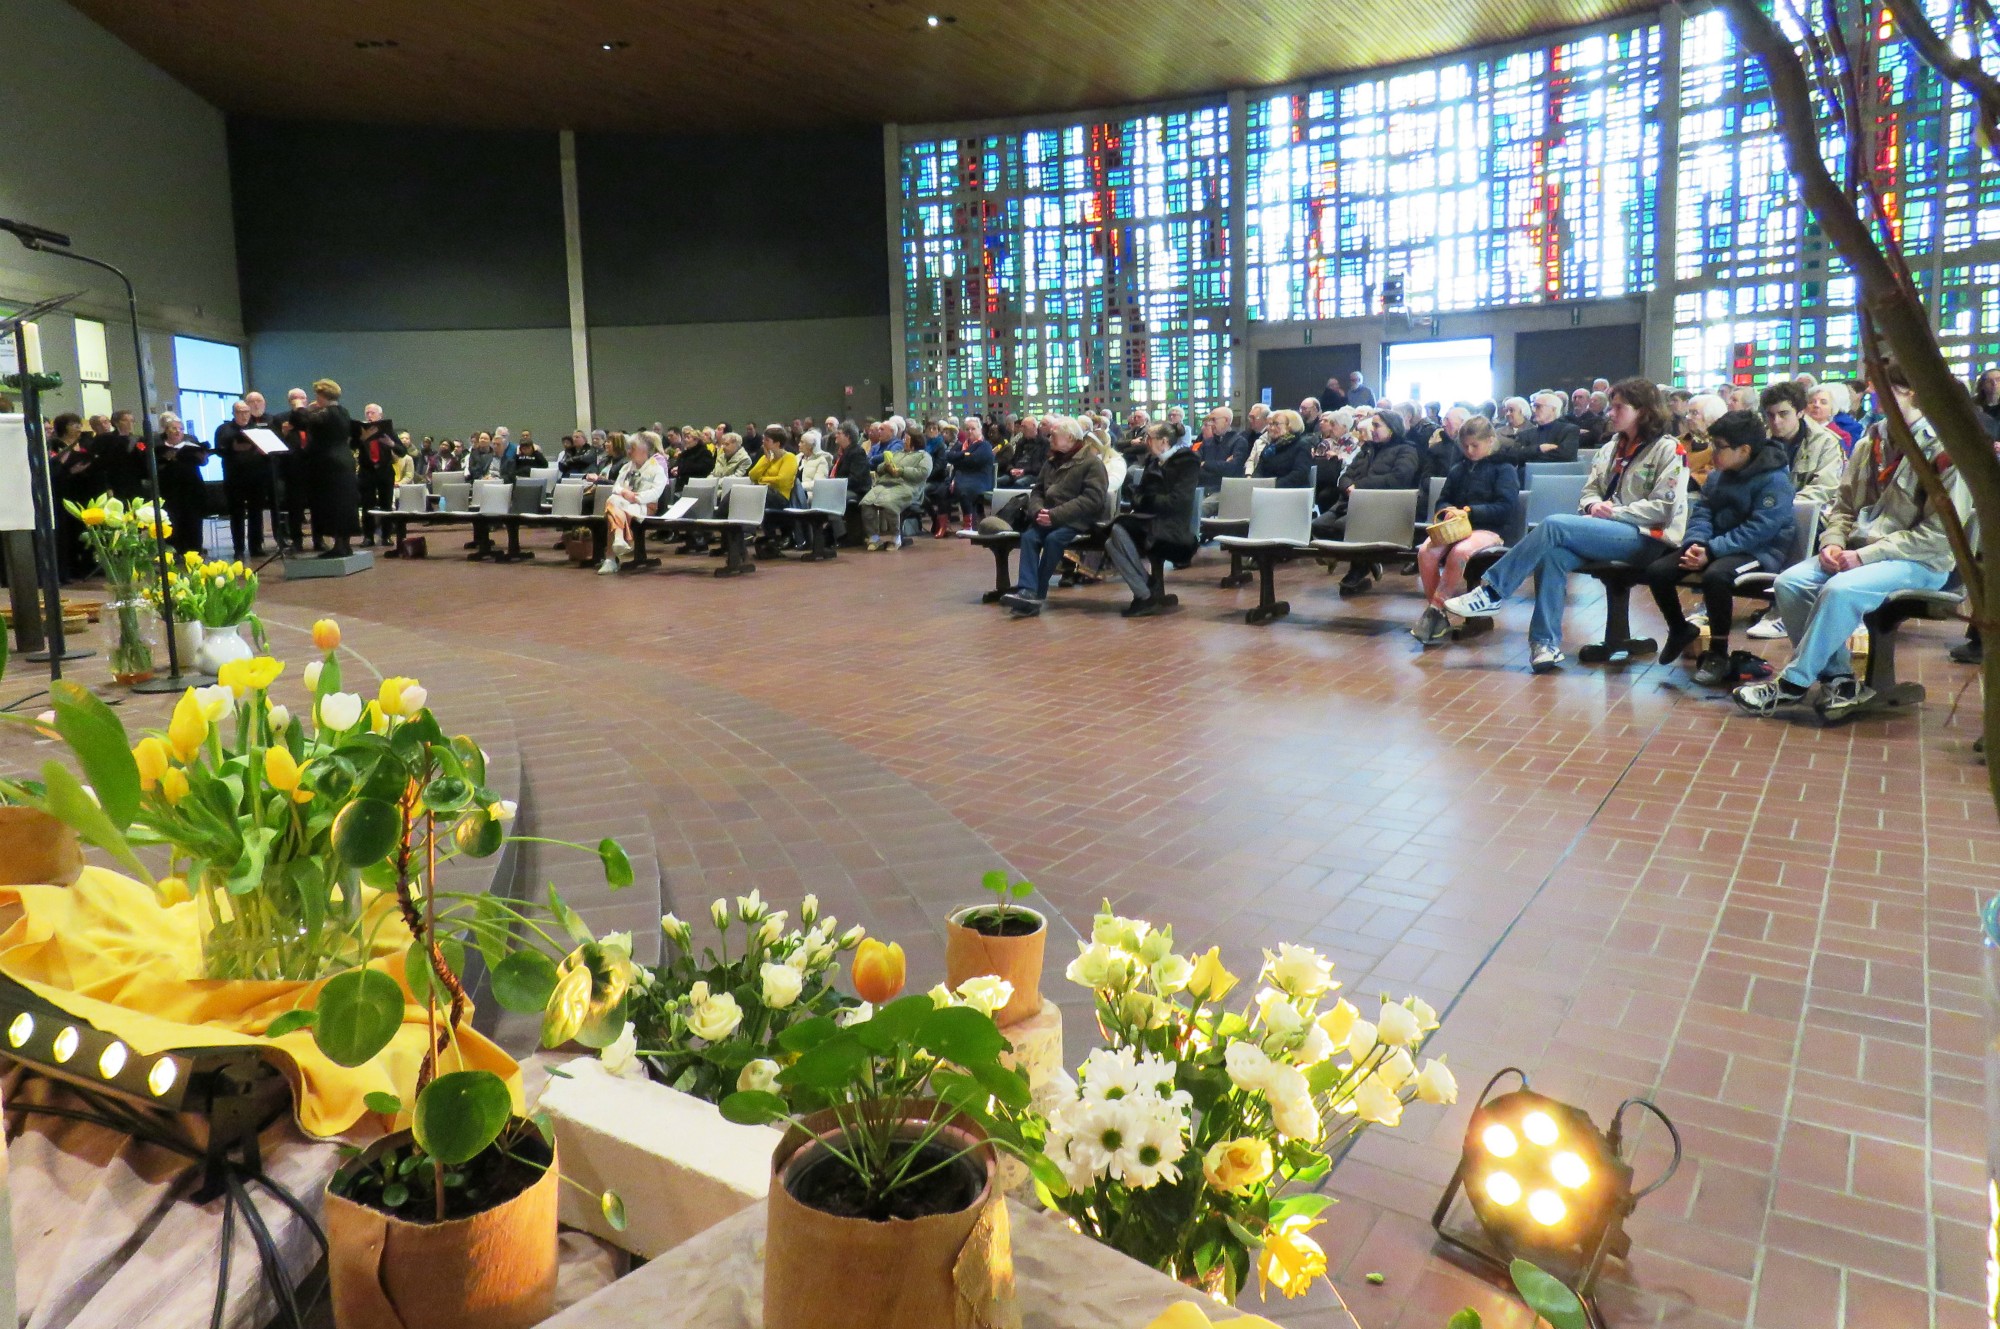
(133, 624)
(265, 934)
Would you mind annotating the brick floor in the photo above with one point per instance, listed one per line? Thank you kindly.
(1610, 879)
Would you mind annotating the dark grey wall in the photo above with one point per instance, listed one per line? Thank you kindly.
(733, 229)
(1568, 358)
(350, 228)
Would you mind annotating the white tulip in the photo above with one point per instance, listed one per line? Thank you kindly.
(312, 675)
(414, 698)
(986, 994)
(281, 719)
(339, 711)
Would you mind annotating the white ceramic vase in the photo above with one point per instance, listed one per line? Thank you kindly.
(187, 641)
(221, 645)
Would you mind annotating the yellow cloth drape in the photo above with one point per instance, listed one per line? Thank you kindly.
(106, 951)
(1187, 1315)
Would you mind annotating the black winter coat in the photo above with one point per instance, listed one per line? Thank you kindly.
(1391, 465)
(1489, 489)
(1287, 460)
(1162, 512)
(1528, 443)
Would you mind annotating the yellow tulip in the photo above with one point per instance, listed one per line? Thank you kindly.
(92, 517)
(252, 675)
(1187, 1315)
(1234, 1166)
(193, 558)
(285, 774)
(166, 530)
(1291, 1260)
(151, 757)
(172, 891)
(878, 971)
(392, 698)
(188, 727)
(326, 635)
(1211, 982)
(173, 786)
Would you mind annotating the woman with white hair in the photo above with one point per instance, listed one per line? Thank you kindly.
(1824, 404)
(1513, 419)
(1702, 412)
(634, 494)
(183, 493)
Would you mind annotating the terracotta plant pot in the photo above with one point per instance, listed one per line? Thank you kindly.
(970, 953)
(823, 1271)
(493, 1270)
(37, 850)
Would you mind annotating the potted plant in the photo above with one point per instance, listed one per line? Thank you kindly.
(1005, 939)
(126, 544)
(224, 594)
(186, 598)
(707, 1023)
(889, 1160)
(1194, 1133)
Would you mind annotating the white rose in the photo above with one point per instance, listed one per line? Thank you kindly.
(1397, 1069)
(1300, 971)
(1376, 1102)
(1248, 1067)
(1172, 973)
(621, 1057)
(940, 996)
(1436, 1084)
(1398, 1026)
(716, 1018)
(676, 931)
(758, 1077)
(809, 910)
(774, 928)
(1360, 1040)
(1281, 1018)
(852, 937)
(1296, 1118)
(312, 675)
(718, 914)
(986, 994)
(855, 1015)
(1318, 1046)
(750, 908)
(781, 985)
(1427, 1019)
(1096, 966)
(338, 711)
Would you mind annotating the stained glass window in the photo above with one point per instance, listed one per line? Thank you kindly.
(1485, 181)
(1060, 268)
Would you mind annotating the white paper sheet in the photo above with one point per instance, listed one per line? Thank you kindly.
(266, 441)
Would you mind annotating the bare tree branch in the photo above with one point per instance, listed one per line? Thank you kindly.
(1962, 70)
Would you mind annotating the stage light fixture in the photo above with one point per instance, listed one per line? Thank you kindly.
(1546, 1185)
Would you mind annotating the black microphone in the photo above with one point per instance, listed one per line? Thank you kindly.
(34, 236)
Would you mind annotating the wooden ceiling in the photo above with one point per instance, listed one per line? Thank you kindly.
(699, 66)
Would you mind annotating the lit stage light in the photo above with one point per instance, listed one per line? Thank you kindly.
(1545, 1185)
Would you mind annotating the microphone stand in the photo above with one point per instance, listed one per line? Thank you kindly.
(41, 492)
(49, 242)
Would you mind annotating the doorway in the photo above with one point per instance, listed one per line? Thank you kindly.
(1440, 371)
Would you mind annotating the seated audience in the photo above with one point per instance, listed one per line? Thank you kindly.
(1160, 524)
(1740, 521)
(970, 460)
(1513, 419)
(850, 463)
(899, 482)
(1825, 404)
(635, 493)
(1286, 454)
(696, 459)
(481, 464)
(1634, 508)
(1227, 454)
(1548, 436)
(1485, 489)
(732, 461)
(1881, 536)
(1031, 451)
(1067, 500)
(577, 460)
(1386, 460)
(528, 457)
(1701, 412)
(777, 469)
(815, 463)
(1815, 455)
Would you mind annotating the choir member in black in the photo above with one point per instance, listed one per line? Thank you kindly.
(374, 440)
(326, 465)
(183, 492)
(294, 485)
(246, 480)
(122, 455)
(77, 478)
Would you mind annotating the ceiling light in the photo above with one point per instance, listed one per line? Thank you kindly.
(613, 46)
(932, 21)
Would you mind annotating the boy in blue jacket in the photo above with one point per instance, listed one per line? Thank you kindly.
(1741, 521)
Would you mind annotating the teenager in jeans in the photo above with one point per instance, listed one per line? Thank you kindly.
(1882, 535)
(1634, 508)
(1741, 521)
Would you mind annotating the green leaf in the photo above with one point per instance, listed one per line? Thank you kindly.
(470, 758)
(1547, 1296)
(834, 1063)
(73, 807)
(388, 779)
(335, 777)
(523, 982)
(1048, 1176)
(1310, 1205)
(387, 1104)
(478, 835)
(1466, 1319)
(290, 1021)
(329, 677)
(448, 795)
(961, 1036)
(417, 969)
(614, 1210)
(491, 929)
(994, 881)
(752, 1107)
(617, 866)
(894, 1025)
(546, 1125)
(414, 734)
(460, 1113)
(248, 873)
(808, 1034)
(365, 831)
(395, 1195)
(1023, 889)
(359, 1012)
(1010, 1087)
(97, 737)
(579, 931)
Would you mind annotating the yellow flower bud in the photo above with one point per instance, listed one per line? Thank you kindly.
(172, 891)
(152, 759)
(173, 786)
(281, 770)
(188, 727)
(93, 516)
(391, 696)
(326, 635)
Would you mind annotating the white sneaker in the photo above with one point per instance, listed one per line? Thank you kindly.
(1546, 659)
(1768, 628)
(607, 568)
(1479, 602)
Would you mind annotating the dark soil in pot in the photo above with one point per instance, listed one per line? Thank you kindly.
(818, 1179)
(988, 923)
(398, 1181)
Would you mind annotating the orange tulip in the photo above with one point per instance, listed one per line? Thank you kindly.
(878, 971)
(326, 634)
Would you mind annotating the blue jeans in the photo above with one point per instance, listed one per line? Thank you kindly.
(1041, 556)
(1821, 610)
(1553, 550)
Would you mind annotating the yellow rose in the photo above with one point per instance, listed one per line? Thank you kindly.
(92, 517)
(173, 786)
(152, 759)
(188, 727)
(326, 635)
(1211, 982)
(1234, 1166)
(1290, 1259)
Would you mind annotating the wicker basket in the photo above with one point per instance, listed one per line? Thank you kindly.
(1450, 531)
